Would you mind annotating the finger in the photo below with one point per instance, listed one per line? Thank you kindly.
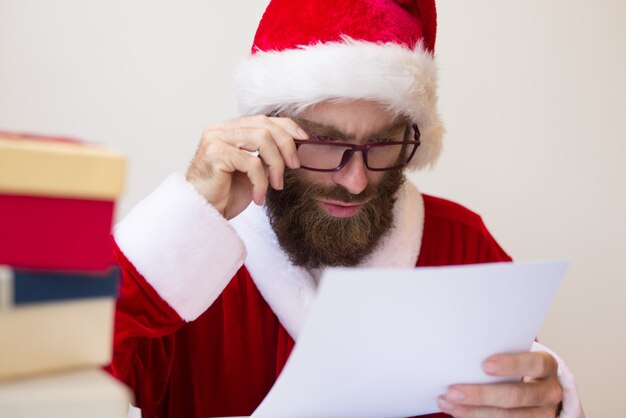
(291, 126)
(537, 365)
(462, 411)
(265, 142)
(283, 131)
(288, 124)
(507, 395)
(237, 160)
(255, 139)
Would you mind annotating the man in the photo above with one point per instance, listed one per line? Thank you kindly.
(341, 99)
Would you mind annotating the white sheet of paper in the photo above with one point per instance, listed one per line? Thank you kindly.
(385, 343)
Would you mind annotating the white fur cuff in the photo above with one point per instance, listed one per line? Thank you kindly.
(572, 407)
(181, 245)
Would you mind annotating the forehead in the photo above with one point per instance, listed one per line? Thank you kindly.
(358, 118)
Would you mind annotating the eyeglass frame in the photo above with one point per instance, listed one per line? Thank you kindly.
(354, 148)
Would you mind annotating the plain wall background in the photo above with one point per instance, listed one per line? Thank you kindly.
(533, 94)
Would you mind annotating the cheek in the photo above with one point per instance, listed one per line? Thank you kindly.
(375, 177)
(317, 177)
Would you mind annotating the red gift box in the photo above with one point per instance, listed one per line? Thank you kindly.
(57, 200)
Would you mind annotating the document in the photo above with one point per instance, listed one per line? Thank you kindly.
(385, 343)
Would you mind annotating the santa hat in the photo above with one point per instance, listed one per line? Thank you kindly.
(310, 51)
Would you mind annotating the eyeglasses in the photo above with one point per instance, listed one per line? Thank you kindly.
(325, 155)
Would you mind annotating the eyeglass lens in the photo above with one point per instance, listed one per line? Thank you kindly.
(326, 157)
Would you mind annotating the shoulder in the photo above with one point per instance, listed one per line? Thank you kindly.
(439, 209)
(454, 234)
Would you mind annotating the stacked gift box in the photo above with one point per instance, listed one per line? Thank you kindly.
(58, 282)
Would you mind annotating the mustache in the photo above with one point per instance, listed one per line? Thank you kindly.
(297, 206)
(339, 193)
(312, 238)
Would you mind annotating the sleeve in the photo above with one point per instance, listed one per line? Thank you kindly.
(455, 235)
(177, 254)
(572, 406)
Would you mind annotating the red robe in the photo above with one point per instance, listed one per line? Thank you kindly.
(224, 362)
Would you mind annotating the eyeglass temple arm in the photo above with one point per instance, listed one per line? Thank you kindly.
(417, 134)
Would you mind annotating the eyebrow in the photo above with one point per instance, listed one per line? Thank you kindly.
(328, 130)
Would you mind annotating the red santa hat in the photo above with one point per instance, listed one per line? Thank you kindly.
(310, 51)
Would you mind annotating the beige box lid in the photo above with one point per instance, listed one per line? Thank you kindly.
(59, 167)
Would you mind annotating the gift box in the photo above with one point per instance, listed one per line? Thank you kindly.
(57, 201)
(89, 393)
(54, 321)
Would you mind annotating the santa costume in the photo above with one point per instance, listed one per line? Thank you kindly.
(209, 309)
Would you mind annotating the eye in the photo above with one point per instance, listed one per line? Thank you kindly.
(322, 138)
(382, 140)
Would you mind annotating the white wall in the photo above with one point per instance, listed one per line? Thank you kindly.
(534, 97)
(533, 94)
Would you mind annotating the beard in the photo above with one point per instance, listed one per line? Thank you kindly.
(312, 238)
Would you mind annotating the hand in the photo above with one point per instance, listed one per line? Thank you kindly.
(537, 395)
(226, 173)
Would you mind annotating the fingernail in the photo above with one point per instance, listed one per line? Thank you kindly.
(445, 405)
(490, 366)
(455, 395)
(302, 134)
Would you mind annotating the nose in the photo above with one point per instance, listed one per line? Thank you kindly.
(353, 176)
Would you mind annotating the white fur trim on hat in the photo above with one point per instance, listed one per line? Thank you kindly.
(294, 79)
